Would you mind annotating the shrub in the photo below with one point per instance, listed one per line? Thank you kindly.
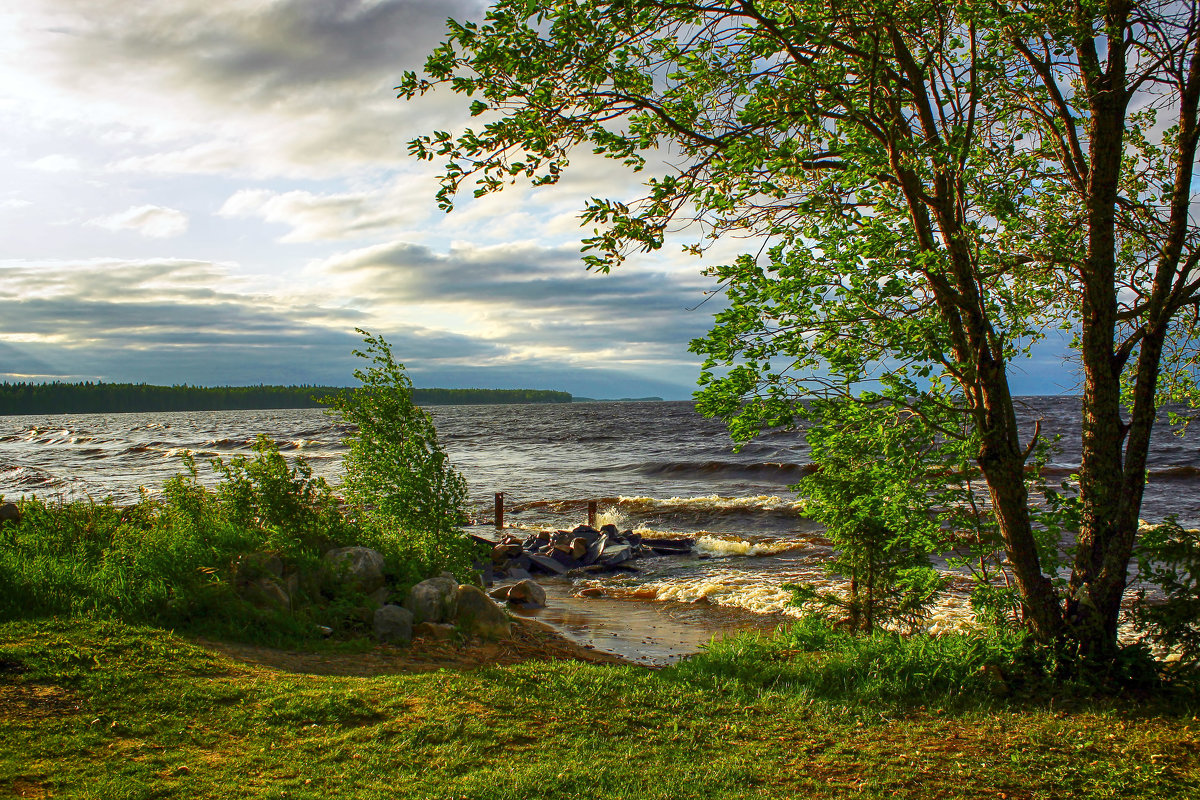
(177, 561)
(297, 513)
(814, 658)
(411, 501)
(872, 495)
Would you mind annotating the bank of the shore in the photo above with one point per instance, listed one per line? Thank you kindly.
(107, 710)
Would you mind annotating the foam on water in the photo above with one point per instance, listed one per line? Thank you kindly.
(766, 595)
(720, 545)
(709, 503)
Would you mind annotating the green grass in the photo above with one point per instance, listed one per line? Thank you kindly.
(107, 710)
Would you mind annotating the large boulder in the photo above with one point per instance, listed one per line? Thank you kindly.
(477, 614)
(393, 624)
(439, 631)
(361, 566)
(616, 554)
(433, 600)
(528, 594)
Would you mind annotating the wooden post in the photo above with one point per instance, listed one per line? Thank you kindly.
(499, 510)
(592, 513)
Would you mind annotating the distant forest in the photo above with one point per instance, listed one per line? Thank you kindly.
(99, 398)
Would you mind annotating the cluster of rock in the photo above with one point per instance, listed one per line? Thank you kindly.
(583, 549)
(434, 608)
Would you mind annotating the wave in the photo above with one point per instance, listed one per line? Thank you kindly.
(782, 471)
(1179, 471)
(722, 546)
(764, 594)
(1175, 472)
(28, 478)
(711, 504)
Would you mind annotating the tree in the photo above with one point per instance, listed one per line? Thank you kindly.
(871, 490)
(934, 185)
(412, 500)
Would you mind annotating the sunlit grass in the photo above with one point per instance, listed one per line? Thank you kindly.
(102, 709)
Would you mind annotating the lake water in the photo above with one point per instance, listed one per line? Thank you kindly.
(659, 467)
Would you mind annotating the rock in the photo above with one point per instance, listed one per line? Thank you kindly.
(266, 592)
(393, 624)
(591, 591)
(609, 530)
(433, 630)
(669, 547)
(528, 594)
(500, 594)
(362, 566)
(433, 600)
(292, 584)
(579, 548)
(566, 559)
(616, 554)
(379, 596)
(480, 616)
(546, 563)
(594, 550)
(480, 539)
(994, 679)
(10, 513)
(519, 573)
(500, 554)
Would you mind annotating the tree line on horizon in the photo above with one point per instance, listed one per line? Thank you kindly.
(99, 397)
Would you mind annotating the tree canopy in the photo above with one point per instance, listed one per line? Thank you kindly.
(926, 188)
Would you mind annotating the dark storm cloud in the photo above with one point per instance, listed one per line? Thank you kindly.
(256, 49)
(148, 321)
(561, 302)
(140, 324)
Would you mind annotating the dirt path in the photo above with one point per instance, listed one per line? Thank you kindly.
(531, 641)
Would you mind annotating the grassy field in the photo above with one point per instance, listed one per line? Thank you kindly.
(109, 710)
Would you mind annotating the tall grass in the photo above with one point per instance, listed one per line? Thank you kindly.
(174, 561)
(813, 658)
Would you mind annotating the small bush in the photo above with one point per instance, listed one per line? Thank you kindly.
(410, 499)
(872, 494)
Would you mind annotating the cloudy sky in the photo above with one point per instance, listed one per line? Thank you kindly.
(219, 192)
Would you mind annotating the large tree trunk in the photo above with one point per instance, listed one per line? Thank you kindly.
(1099, 575)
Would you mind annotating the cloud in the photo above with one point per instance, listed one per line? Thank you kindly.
(176, 320)
(314, 216)
(163, 321)
(153, 222)
(538, 301)
(56, 163)
(287, 88)
(281, 116)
